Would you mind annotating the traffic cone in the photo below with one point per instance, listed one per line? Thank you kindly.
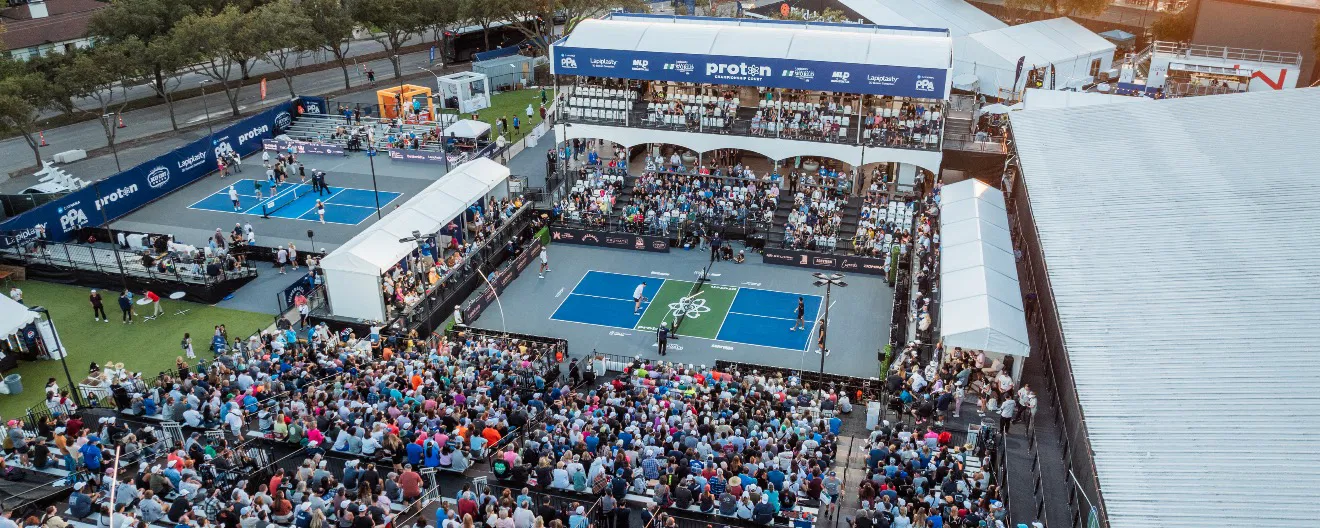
(42, 134)
(121, 121)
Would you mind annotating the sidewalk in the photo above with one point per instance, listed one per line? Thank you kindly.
(15, 154)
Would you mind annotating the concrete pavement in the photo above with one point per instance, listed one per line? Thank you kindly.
(15, 154)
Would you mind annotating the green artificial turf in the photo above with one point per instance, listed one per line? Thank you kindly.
(148, 347)
(514, 103)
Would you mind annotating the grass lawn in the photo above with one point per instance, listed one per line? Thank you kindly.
(514, 103)
(147, 347)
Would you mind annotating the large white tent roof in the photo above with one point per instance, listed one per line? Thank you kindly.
(1180, 244)
(1042, 42)
(378, 247)
(838, 43)
(1039, 99)
(14, 316)
(467, 128)
(980, 299)
(959, 17)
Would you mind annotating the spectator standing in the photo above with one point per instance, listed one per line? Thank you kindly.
(126, 306)
(98, 307)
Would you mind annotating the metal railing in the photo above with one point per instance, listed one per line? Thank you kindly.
(115, 262)
(970, 142)
(1229, 54)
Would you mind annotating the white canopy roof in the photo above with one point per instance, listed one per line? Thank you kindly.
(959, 17)
(980, 299)
(992, 55)
(1184, 277)
(1037, 99)
(14, 316)
(467, 128)
(838, 43)
(353, 270)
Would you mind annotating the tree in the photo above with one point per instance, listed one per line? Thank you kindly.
(1174, 27)
(49, 66)
(392, 21)
(219, 41)
(576, 11)
(485, 13)
(147, 20)
(103, 74)
(286, 33)
(1061, 7)
(24, 95)
(439, 15)
(332, 23)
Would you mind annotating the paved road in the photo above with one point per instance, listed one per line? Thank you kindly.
(15, 154)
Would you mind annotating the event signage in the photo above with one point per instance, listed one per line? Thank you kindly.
(502, 279)
(302, 286)
(302, 147)
(824, 261)
(568, 235)
(420, 156)
(122, 193)
(877, 79)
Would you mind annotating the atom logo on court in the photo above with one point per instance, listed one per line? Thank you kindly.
(688, 308)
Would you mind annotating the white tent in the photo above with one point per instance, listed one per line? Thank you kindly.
(14, 316)
(467, 128)
(353, 271)
(980, 299)
(1037, 99)
(992, 56)
(959, 17)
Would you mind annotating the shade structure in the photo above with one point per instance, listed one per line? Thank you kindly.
(961, 18)
(14, 316)
(1184, 280)
(467, 128)
(1074, 51)
(980, 298)
(353, 271)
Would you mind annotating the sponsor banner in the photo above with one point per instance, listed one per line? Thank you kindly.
(568, 235)
(422, 156)
(123, 193)
(502, 280)
(302, 286)
(314, 105)
(877, 79)
(822, 261)
(302, 147)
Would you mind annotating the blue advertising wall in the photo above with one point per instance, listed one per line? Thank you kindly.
(123, 193)
(875, 79)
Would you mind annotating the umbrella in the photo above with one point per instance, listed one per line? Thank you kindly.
(995, 109)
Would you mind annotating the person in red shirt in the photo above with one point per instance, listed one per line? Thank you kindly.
(411, 482)
(155, 303)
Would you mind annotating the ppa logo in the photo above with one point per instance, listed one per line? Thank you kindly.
(925, 84)
(158, 177)
(283, 120)
(312, 107)
(223, 148)
(568, 61)
(71, 218)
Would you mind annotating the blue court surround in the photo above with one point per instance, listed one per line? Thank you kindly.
(757, 317)
(343, 205)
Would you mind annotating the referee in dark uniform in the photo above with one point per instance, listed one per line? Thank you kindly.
(801, 314)
(662, 337)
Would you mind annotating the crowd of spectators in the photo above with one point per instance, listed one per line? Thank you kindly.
(905, 124)
(749, 446)
(662, 198)
(816, 218)
(916, 478)
(879, 227)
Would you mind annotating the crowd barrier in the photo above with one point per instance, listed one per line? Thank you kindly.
(125, 192)
(609, 239)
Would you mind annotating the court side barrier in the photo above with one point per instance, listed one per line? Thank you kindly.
(120, 194)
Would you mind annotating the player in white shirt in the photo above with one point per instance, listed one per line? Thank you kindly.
(638, 298)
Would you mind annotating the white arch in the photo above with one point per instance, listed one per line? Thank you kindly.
(772, 148)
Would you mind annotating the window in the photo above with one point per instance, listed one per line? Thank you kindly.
(1095, 68)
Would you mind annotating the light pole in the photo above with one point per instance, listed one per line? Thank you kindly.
(828, 281)
(210, 133)
(73, 389)
(371, 158)
(108, 122)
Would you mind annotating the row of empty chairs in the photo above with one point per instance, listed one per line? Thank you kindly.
(696, 99)
(597, 114)
(592, 102)
(612, 93)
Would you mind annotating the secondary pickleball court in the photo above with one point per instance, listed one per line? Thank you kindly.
(296, 201)
(735, 314)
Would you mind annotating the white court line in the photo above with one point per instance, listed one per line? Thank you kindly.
(326, 201)
(725, 319)
(647, 302)
(561, 303)
(793, 319)
(272, 197)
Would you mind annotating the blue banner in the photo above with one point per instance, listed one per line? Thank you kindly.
(875, 79)
(123, 193)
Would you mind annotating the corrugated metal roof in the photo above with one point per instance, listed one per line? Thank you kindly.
(961, 18)
(1182, 242)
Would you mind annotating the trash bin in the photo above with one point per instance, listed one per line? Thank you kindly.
(14, 383)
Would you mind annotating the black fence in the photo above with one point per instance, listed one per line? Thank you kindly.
(859, 389)
(824, 261)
